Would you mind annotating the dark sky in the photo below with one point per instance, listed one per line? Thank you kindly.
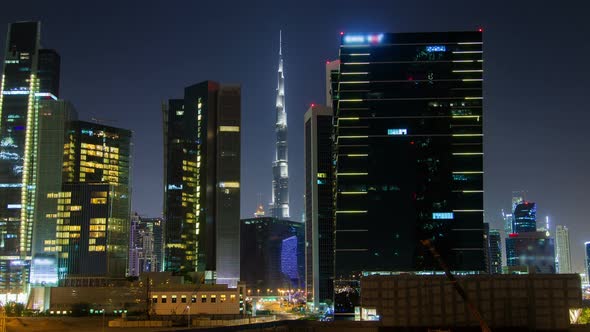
(121, 59)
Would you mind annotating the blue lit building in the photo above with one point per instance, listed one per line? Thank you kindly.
(587, 251)
(272, 253)
(525, 218)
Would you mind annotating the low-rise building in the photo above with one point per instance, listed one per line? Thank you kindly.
(532, 301)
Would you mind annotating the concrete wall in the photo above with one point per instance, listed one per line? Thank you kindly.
(539, 301)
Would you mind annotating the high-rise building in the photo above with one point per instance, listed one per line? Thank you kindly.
(563, 258)
(507, 218)
(202, 182)
(145, 245)
(518, 197)
(29, 73)
(319, 230)
(54, 123)
(280, 169)
(93, 206)
(408, 149)
(525, 218)
(587, 252)
(530, 252)
(495, 251)
(272, 254)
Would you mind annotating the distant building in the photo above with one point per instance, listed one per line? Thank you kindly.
(202, 182)
(525, 218)
(563, 258)
(507, 217)
(272, 254)
(495, 251)
(587, 251)
(408, 154)
(518, 197)
(145, 245)
(259, 211)
(319, 206)
(532, 252)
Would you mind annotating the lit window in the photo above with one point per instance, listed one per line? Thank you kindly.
(194, 299)
(98, 201)
(235, 129)
(164, 298)
(173, 298)
(222, 298)
(232, 298)
(183, 298)
(203, 299)
(155, 299)
(213, 298)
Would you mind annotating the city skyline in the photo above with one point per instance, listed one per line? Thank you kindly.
(515, 104)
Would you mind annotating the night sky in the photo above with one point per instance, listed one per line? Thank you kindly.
(122, 59)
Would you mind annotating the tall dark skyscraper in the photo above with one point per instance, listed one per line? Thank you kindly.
(587, 252)
(319, 207)
(202, 182)
(29, 74)
(280, 169)
(525, 218)
(495, 251)
(408, 148)
(563, 258)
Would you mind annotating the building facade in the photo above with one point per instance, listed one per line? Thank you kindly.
(30, 73)
(408, 152)
(280, 167)
(563, 258)
(202, 182)
(319, 230)
(525, 218)
(587, 252)
(145, 245)
(495, 251)
(272, 254)
(530, 252)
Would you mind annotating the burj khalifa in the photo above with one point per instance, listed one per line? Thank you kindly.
(280, 170)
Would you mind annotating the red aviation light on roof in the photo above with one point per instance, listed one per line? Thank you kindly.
(512, 235)
(341, 33)
(480, 29)
(312, 105)
(328, 62)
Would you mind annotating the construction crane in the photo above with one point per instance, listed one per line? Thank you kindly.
(482, 323)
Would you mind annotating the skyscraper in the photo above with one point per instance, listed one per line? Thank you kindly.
(272, 253)
(202, 182)
(29, 73)
(280, 169)
(518, 197)
(587, 251)
(563, 258)
(495, 251)
(530, 252)
(319, 267)
(93, 206)
(507, 217)
(145, 245)
(408, 153)
(55, 118)
(525, 218)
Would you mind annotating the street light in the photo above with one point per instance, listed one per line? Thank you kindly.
(188, 323)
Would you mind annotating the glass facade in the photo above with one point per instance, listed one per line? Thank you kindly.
(272, 254)
(95, 196)
(408, 153)
(319, 206)
(587, 251)
(563, 258)
(495, 251)
(525, 218)
(532, 252)
(29, 74)
(202, 181)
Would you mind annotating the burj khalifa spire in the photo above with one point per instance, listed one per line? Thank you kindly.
(280, 170)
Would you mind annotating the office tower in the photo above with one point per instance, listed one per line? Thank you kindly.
(525, 218)
(518, 197)
(272, 254)
(507, 218)
(495, 251)
(486, 245)
(563, 258)
(145, 245)
(29, 73)
(530, 252)
(93, 206)
(332, 70)
(587, 251)
(280, 170)
(156, 228)
(202, 182)
(319, 255)
(409, 166)
(54, 118)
